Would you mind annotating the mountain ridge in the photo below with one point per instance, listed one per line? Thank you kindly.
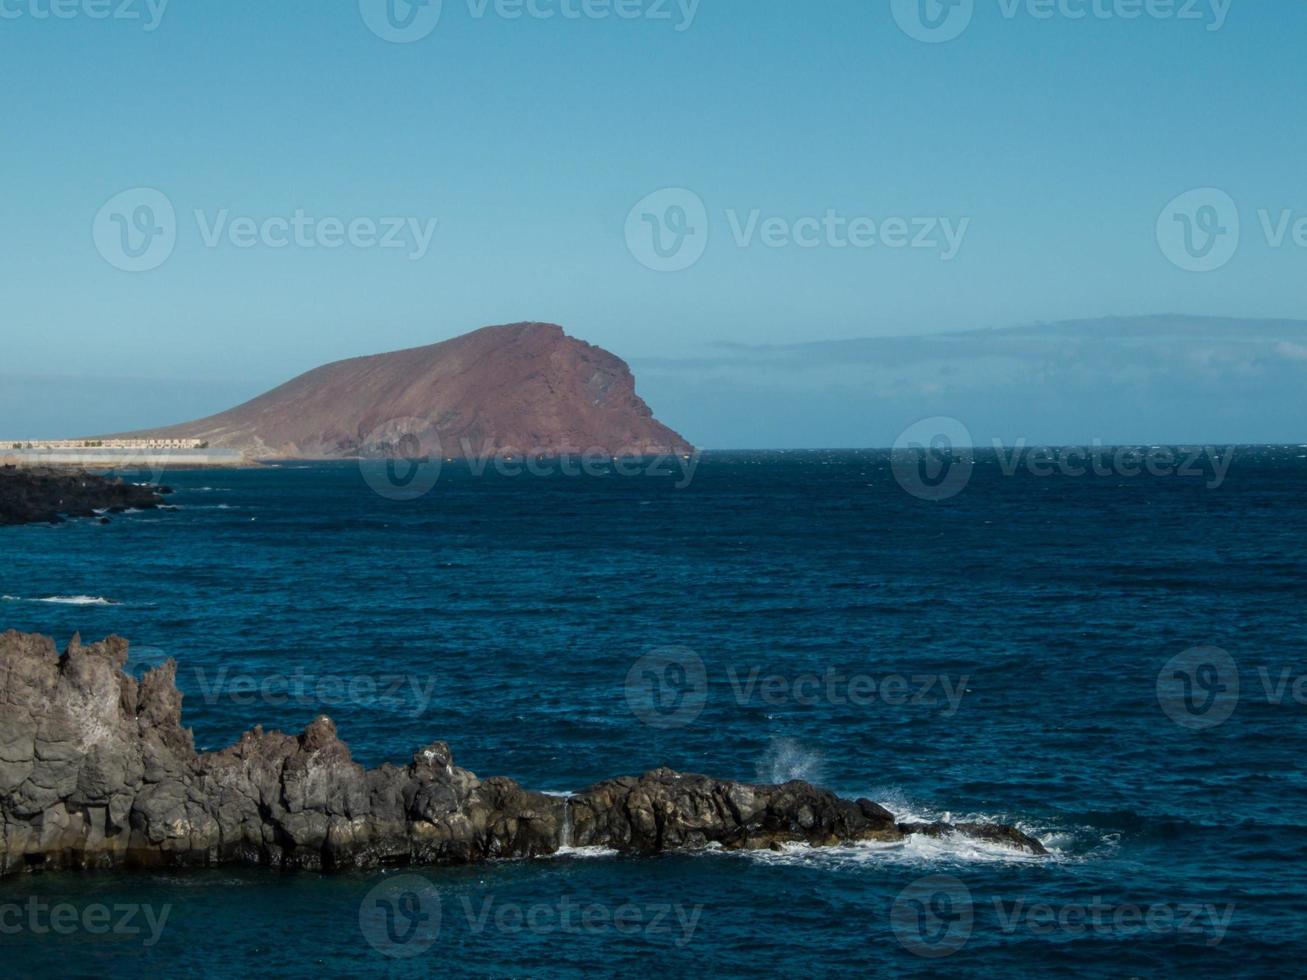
(520, 388)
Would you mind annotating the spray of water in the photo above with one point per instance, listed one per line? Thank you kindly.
(786, 759)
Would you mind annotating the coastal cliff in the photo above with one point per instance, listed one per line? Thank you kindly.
(96, 771)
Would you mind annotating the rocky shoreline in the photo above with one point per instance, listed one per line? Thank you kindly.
(46, 495)
(96, 772)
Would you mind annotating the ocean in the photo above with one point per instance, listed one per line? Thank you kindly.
(1111, 659)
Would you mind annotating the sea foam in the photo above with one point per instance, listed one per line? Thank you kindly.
(65, 600)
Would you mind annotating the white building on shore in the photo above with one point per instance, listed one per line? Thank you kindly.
(103, 444)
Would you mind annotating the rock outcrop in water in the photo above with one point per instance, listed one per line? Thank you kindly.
(50, 496)
(96, 771)
(519, 389)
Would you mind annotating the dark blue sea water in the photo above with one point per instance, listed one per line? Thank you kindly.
(995, 654)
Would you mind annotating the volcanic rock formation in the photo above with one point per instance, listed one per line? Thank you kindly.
(46, 495)
(97, 772)
(521, 389)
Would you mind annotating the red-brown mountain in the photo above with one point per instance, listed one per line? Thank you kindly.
(521, 388)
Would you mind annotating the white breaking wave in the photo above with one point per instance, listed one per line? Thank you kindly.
(592, 851)
(958, 847)
(916, 850)
(65, 600)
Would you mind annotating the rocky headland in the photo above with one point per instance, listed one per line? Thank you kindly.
(51, 496)
(96, 771)
(518, 389)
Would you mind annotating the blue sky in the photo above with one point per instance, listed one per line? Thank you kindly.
(1048, 144)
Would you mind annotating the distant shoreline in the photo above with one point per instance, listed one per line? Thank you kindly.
(118, 459)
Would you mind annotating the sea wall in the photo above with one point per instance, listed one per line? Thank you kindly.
(123, 459)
